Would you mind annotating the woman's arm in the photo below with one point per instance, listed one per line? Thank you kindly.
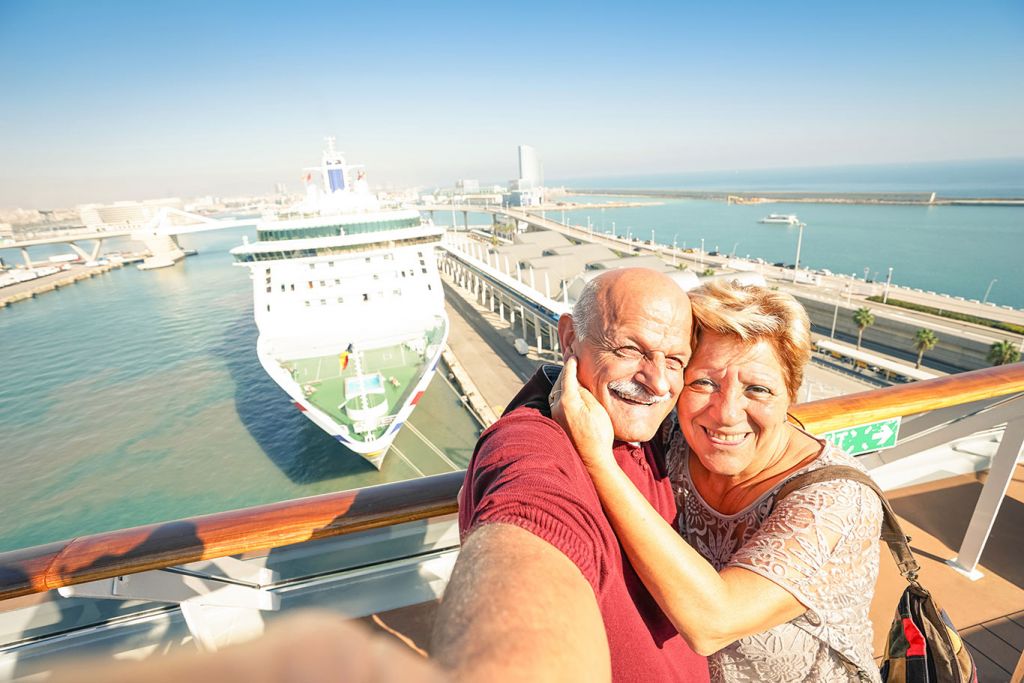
(710, 609)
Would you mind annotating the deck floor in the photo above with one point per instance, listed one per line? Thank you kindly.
(989, 612)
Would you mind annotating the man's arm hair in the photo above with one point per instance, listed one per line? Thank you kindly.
(516, 608)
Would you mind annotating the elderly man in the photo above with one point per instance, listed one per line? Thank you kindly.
(542, 590)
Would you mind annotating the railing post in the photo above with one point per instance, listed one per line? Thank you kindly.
(1003, 465)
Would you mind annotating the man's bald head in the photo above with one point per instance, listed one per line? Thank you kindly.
(630, 330)
(604, 292)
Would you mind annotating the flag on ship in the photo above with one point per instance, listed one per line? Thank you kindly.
(343, 358)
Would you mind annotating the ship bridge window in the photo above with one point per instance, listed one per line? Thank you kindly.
(366, 297)
(337, 281)
(282, 287)
(292, 286)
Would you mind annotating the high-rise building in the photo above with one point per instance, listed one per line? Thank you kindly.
(529, 167)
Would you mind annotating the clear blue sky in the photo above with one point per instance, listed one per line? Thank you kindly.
(128, 100)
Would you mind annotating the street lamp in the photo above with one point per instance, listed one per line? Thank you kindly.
(835, 314)
(701, 252)
(799, 241)
(674, 237)
(888, 281)
(988, 290)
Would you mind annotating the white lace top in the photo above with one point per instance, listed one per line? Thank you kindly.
(835, 582)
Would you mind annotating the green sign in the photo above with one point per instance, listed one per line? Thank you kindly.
(864, 438)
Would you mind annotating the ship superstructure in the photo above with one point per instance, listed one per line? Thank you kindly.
(349, 306)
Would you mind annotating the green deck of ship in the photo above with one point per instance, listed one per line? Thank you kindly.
(323, 380)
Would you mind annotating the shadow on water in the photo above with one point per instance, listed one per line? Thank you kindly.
(300, 449)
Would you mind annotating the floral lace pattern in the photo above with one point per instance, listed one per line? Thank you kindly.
(820, 544)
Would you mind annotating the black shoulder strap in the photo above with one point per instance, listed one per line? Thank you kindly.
(892, 533)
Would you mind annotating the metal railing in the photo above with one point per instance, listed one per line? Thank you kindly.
(158, 546)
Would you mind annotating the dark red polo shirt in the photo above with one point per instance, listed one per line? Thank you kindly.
(526, 472)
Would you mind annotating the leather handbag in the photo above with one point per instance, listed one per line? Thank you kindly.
(923, 645)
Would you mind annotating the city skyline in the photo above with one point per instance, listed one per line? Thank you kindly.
(111, 101)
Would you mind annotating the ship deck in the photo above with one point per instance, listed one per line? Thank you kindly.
(323, 378)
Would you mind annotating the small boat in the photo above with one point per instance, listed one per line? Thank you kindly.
(786, 219)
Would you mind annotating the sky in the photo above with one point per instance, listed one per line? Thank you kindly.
(107, 100)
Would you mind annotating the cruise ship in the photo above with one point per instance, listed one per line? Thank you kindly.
(786, 219)
(349, 306)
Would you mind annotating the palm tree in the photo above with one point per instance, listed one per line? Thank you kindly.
(864, 319)
(1003, 353)
(924, 340)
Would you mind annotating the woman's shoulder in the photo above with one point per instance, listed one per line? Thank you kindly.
(841, 496)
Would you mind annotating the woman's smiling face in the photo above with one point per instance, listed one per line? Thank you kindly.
(732, 409)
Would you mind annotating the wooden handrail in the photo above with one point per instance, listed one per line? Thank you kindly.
(909, 399)
(155, 546)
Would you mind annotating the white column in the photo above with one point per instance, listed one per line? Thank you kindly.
(1004, 463)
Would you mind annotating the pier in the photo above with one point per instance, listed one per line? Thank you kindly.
(27, 290)
(756, 197)
(962, 345)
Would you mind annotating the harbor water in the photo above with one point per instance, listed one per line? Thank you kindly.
(136, 397)
(956, 250)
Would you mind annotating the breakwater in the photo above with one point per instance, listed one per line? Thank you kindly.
(749, 197)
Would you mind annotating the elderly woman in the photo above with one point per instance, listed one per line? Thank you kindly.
(770, 590)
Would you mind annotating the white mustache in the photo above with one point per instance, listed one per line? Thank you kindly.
(635, 392)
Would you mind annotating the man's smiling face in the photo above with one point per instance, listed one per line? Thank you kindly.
(634, 351)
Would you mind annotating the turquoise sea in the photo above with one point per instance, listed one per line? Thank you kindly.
(137, 397)
(957, 250)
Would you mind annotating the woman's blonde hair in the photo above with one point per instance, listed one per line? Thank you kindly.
(752, 313)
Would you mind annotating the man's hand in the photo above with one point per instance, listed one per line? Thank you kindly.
(583, 418)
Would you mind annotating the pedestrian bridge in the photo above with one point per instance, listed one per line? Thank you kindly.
(159, 234)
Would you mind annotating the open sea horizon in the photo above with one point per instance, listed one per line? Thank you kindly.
(980, 178)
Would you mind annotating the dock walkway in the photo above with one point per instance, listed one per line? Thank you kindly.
(481, 342)
(48, 283)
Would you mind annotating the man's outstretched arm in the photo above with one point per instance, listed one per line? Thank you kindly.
(516, 608)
